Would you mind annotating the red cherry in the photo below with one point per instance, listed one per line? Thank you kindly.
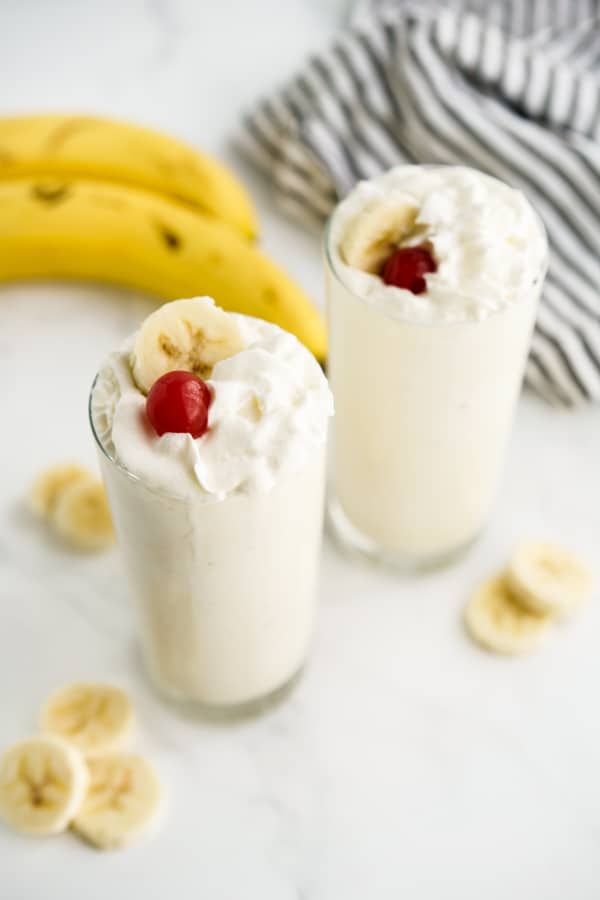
(179, 402)
(406, 267)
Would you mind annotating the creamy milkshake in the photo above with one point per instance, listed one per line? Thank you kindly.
(433, 277)
(219, 524)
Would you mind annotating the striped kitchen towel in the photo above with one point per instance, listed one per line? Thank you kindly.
(512, 88)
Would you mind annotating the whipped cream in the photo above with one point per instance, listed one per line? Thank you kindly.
(271, 403)
(487, 239)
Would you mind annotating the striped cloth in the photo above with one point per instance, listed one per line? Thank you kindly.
(512, 88)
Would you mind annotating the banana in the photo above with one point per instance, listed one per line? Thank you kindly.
(50, 483)
(43, 782)
(81, 515)
(69, 146)
(546, 578)
(122, 801)
(95, 718)
(373, 235)
(498, 623)
(190, 335)
(106, 232)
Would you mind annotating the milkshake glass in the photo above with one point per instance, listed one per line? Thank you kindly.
(221, 541)
(425, 384)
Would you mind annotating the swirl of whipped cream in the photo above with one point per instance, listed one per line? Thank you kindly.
(271, 403)
(488, 241)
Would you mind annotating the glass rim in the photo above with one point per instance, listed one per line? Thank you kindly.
(205, 498)
(330, 258)
(99, 442)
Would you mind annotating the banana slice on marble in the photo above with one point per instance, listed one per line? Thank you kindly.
(188, 335)
(546, 578)
(373, 235)
(122, 802)
(95, 718)
(49, 485)
(43, 782)
(497, 622)
(81, 515)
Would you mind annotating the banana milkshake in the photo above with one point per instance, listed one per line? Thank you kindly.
(433, 278)
(212, 430)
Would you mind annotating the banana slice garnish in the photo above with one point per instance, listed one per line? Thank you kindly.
(498, 622)
(546, 578)
(122, 801)
(188, 335)
(50, 483)
(96, 718)
(373, 235)
(43, 782)
(81, 515)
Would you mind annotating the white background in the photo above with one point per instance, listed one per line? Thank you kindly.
(408, 763)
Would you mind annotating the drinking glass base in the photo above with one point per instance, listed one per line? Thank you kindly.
(354, 543)
(196, 709)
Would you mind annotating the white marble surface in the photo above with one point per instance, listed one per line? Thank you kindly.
(407, 763)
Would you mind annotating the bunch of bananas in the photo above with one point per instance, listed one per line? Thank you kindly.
(89, 198)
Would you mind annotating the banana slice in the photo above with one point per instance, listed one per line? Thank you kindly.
(81, 515)
(96, 718)
(122, 801)
(546, 578)
(373, 235)
(50, 483)
(189, 335)
(498, 623)
(43, 782)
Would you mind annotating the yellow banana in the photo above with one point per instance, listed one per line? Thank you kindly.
(68, 146)
(104, 232)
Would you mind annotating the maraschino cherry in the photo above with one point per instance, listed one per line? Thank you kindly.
(179, 402)
(406, 267)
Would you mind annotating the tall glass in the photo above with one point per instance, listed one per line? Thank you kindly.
(423, 415)
(226, 590)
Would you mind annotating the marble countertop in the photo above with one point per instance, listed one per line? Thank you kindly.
(407, 763)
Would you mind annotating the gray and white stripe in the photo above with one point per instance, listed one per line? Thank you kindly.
(512, 88)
